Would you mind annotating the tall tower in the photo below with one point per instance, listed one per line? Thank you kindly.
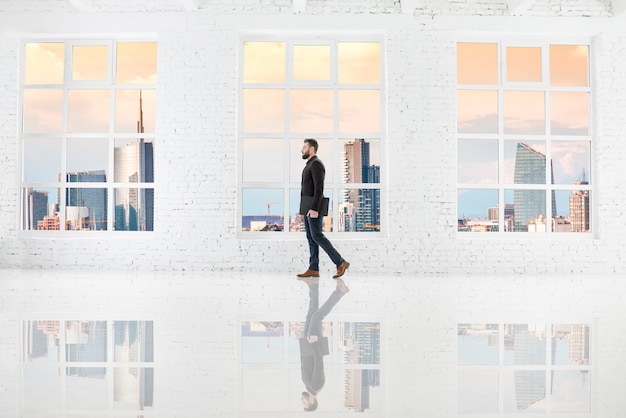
(86, 207)
(579, 209)
(134, 163)
(357, 169)
(530, 168)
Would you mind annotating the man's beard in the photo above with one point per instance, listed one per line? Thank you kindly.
(305, 156)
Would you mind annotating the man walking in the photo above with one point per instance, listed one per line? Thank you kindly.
(311, 198)
(313, 346)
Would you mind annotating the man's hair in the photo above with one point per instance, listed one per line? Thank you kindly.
(312, 143)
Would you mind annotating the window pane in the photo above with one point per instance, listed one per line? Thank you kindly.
(361, 342)
(41, 341)
(524, 112)
(296, 331)
(86, 341)
(571, 161)
(477, 344)
(133, 388)
(311, 110)
(90, 62)
(135, 111)
(477, 111)
(134, 160)
(359, 210)
(573, 210)
(263, 62)
(134, 341)
(262, 342)
(134, 209)
(296, 163)
(529, 210)
(477, 63)
(43, 111)
(525, 162)
(42, 159)
(361, 163)
(569, 113)
(263, 110)
(296, 223)
(311, 62)
(571, 344)
(569, 65)
(526, 344)
(262, 210)
(477, 161)
(42, 391)
(477, 390)
(44, 63)
(88, 155)
(86, 209)
(523, 64)
(478, 210)
(359, 62)
(571, 391)
(524, 391)
(40, 208)
(359, 111)
(136, 62)
(88, 111)
(87, 388)
(263, 160)
(361, 390)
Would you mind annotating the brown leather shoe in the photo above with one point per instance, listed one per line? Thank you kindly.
(309, 273)
(341, 269)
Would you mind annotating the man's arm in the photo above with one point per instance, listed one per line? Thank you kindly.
(318, 173)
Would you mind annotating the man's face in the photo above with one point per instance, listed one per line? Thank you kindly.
(306, 151)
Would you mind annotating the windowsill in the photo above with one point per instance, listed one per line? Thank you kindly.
(77, 235)
(299, 236)
(527, 236)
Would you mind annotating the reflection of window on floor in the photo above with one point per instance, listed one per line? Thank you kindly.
(81, 367)
(524, 368)
(270, 375)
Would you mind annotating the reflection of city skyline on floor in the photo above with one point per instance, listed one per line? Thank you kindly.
(354, 359)
(85, 365)
(526, 345)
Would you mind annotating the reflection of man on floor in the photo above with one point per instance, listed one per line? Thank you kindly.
(313, 346)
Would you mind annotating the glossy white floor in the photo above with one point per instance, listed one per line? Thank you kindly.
(94, 344)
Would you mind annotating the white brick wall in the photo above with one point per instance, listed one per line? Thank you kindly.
(422, 277)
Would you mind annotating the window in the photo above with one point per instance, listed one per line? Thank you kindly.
(524, 368)
(87, 136)
(87, 367)
(324, 88)
(524, 138)
(270, 375)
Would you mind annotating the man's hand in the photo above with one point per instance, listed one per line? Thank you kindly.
(312, 213)
(312, 339)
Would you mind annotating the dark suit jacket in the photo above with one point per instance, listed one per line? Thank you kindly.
(312, 184)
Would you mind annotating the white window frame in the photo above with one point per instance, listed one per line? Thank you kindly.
(515, 41)
(111, 135)
(334, 184)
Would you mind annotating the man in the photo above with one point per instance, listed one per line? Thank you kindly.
(311, 197)
(313, 346)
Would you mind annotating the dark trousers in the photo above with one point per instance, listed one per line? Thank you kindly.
(316, 239)
(316, 314)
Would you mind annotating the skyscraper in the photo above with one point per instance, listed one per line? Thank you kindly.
(530, 168)
(579, 209)
(86, 207)
(134, 163)
(366, 202)
(37, 203)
